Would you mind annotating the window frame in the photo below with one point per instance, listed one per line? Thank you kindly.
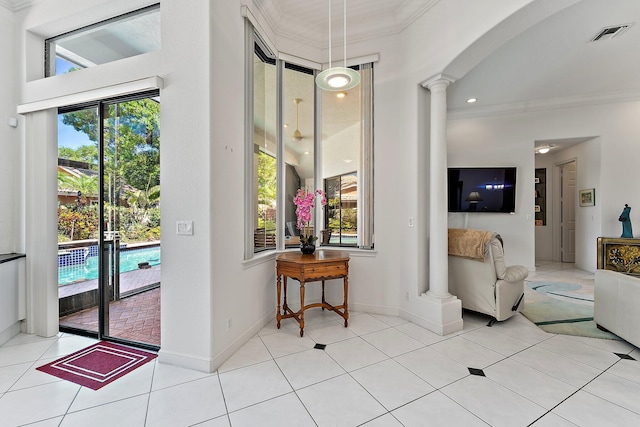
(50, 54)
(364, 173)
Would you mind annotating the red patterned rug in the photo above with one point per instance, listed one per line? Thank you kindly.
(98, 365)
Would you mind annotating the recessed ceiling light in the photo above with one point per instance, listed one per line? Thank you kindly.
(306, 152)
(341, 94)
(471, 100)
(348, 160)
(544, 150)
(286, 125)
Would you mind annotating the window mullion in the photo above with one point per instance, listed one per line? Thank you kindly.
(280, 164)
(317, 143)
(365, 178)
(249, 192)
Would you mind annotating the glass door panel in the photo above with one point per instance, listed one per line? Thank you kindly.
(78, 180)
(109, 219)
(131, 220)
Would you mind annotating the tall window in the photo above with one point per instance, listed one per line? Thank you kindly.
(298, 139)
(347, 163)
(298, 136)
(342, 210)
(264, 149)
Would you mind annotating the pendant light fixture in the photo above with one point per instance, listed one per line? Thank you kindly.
(297, 136)
(338, 78)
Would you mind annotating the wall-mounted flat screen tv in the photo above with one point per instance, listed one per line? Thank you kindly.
(483, 189)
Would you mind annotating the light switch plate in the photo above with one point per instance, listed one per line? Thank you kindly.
(184, 228)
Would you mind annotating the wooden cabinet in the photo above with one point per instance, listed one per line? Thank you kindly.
(540, 194)
(620, 254)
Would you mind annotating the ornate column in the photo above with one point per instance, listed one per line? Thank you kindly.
(442, 311)
(438, 224)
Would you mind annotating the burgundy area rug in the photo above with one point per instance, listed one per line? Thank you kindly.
(98, 365)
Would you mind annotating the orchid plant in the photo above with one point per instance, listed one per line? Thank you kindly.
(305, 202)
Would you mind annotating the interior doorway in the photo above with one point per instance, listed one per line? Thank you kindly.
(109, 219)
(567, 172)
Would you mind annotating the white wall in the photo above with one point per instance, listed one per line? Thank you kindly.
(498, 141)
(204, 279)
(588, 218)
(12, 298)
(607, 163)
(9, 138)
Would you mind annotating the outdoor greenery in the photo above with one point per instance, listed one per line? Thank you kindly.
(87, 185)
(345, 217)
(266, 191)
(77, 224)
(131, 177)
(81, 222)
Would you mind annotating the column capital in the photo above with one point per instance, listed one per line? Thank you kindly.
(437, 79)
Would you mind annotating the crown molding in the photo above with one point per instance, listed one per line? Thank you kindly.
(544, 104)
(404, 15)
(16, 5)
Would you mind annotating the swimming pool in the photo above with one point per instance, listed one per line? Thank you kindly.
(129, 260)
(347, 239)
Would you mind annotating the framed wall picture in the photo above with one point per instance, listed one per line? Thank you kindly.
(587, 197)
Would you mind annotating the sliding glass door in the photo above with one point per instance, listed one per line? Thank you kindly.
(78, 218)
(117, 287)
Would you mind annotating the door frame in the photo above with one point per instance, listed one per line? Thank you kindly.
(104, 291)
(556, 214)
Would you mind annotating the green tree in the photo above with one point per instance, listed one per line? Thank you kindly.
(84, 153)
(140, 201)
(132, 141)
(266, 179)
(88, 185)
(266, 190)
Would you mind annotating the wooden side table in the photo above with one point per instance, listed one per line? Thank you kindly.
(320, 266)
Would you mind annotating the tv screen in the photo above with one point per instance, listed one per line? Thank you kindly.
(486, 189)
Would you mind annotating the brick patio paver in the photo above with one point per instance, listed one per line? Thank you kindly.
(135, 318)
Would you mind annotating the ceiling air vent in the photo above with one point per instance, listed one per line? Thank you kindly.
(610, 32)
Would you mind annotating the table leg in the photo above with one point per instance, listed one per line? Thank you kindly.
(323, 300)
(278, 313)
(301, 307)
(285, 307)
(346, 297)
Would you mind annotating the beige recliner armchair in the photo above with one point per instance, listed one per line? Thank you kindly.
(479, 277)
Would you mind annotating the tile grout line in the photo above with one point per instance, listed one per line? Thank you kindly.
(575, 392)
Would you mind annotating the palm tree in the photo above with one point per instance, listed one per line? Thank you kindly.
(85, 184)
(141, 200)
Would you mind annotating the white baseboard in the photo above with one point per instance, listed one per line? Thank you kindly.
(210, 365)
(9, 332)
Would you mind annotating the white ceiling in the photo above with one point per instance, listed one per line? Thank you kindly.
(553, 60)
(552, 63)
(308, 21)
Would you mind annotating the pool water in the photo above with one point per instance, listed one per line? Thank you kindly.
(347, 239)
(89, 270)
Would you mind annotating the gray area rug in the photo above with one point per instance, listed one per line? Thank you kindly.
(561, 316)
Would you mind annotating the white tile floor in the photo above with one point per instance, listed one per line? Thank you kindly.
(380, 372)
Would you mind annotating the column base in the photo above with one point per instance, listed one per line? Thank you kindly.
(441, 316)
